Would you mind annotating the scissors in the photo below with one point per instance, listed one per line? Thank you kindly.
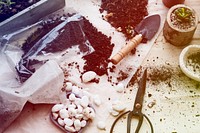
(137, 108)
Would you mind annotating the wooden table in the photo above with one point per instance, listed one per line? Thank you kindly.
(177, 106)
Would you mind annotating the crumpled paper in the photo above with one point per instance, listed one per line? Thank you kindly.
(35, 90)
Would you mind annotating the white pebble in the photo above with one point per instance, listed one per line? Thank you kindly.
(97, 100)
(68, 122)
(91, 113)
(70, 129)
(77, 128)
(72, 105)
(79, 116)
(75, 90)
(85, 118)
(114, 113)
(63, 113)
(72, 112)
(101, 125)
(88, 76)
(84, 101)
(151, 104)
(83, 123)
(72, 97)
(77, 101)
(86, 111)
(77, 124)
(61, 122)
(79, 109)
(55, 115)
(119, 87)
(86, 93)
(92, 116)
(119, 107)
(68, 86)
(57, 107)
(67, 103)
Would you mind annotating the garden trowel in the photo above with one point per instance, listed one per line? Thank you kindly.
(146, 29)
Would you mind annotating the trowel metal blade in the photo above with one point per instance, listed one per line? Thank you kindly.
(149, 26)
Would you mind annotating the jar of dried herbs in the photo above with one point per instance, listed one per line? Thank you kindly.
(193, 63)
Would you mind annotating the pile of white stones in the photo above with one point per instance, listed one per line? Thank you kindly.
(74, 114)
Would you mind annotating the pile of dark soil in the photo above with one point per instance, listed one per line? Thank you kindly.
(99, 59)
(80, 32)
(124, 15)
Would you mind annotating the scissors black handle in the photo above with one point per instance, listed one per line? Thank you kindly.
(131, 114)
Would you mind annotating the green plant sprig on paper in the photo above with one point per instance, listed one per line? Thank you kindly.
(183, 14)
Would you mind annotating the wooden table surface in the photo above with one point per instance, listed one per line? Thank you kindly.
(177, 106)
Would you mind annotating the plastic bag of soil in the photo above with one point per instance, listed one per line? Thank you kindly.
(48, 40)
(13, 94)
(36, 60)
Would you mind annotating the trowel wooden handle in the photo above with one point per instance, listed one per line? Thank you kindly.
(126, 49)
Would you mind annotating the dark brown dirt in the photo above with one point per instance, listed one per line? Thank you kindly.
(124, 15)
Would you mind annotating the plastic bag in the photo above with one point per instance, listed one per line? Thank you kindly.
(46, 44)
(37, 64)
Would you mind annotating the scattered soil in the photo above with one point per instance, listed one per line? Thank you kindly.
(124, 15)
(122, 76)
(159, 74)
(136, 77)
(155, 75)
(13, 7)
(164, 74)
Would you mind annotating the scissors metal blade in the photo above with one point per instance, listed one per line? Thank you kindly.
(141, 91)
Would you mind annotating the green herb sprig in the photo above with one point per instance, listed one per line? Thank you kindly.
(183, 14)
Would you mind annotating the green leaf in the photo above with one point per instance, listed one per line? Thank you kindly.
(183, 14)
